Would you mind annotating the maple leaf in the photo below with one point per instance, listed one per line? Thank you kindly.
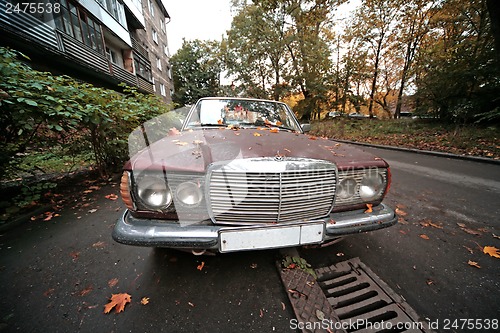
(492, 251)
(473, 264)
(117, 301)
(145, 300)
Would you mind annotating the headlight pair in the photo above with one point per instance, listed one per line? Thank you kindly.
(361, 186)
(156, 194)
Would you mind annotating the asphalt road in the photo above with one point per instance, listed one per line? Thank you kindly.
(57, 275)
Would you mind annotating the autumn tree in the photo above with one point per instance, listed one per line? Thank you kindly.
(457, 77)
(196, 70)
(282, 46)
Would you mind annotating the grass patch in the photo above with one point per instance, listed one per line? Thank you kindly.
(462, 140)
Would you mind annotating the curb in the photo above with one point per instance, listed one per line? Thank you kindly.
(424, 152)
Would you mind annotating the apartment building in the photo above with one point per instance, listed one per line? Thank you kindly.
(104, 42)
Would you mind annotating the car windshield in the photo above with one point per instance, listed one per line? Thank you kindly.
(241, 113)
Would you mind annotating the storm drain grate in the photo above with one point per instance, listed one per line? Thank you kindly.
(365, 303)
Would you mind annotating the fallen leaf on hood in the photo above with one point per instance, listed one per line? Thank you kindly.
(219, 122)
(261, 313)
(429, 282)
(112, 282)
(257, 134)
(49, 216)
(471, 231)
(111, 197)
(283, 306)
(198, 142)
(236, 133)
(200, 266)
(369, 208)
(313, 138)
(287, 150)
(181, 143)
(191, 304)
(492, 251)
(173, 131)
(274, 130)
(495, 236)
(92, 211)
(117, 301)
(473, 264)
(49, 292)
(424, 236)
(320, 315)
(145, 300)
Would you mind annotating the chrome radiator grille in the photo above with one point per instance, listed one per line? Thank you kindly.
(305, 191)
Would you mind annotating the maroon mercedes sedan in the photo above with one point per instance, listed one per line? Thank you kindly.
(241, 174)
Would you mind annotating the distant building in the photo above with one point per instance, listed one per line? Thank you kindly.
(103, 42)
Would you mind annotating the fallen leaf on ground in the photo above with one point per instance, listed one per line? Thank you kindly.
(400, 212)
(100, 244)
(424, 236)
(145, 300)
(471, 231)
(469, 249)
(257, 134)
(283, 306)
(492, 251)
(92, 211)
(253, 266)
(112, 282)
(200, 266)
(191, 304)
(86, 291)
(261, 313)
(473, 264)
(117, 301)
(369, 208)
(495, 236)
(198, 142)
(111, 196)
(429, 282)
(181, 143)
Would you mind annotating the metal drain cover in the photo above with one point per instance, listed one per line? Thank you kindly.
(365, 303)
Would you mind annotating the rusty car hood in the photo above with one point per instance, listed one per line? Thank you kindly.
(194, 151)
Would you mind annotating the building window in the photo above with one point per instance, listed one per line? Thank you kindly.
(116, 9)
(154, 85)
(112, 56)
(166, 51)
(155, 36)
(142, 67)
(169, 69)
(158, 63)
(151, 8)
(162, 89)
(77, 23)
(162, 25)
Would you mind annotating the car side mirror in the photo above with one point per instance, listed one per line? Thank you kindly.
(306, 127)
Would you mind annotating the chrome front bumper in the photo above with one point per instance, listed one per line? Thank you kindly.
(148, 232)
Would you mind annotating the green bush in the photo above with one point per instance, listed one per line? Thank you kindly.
(43, 112)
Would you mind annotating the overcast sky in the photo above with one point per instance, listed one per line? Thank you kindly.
(196, 19)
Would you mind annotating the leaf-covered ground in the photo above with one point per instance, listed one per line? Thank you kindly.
(462, 140)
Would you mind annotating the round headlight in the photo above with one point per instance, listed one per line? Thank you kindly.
(347, 188)
(189, 193)
(371, 186)
(154, 192)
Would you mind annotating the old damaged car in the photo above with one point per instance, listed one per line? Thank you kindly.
(242, 174)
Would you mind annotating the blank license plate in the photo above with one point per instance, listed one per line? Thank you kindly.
(270, 237)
